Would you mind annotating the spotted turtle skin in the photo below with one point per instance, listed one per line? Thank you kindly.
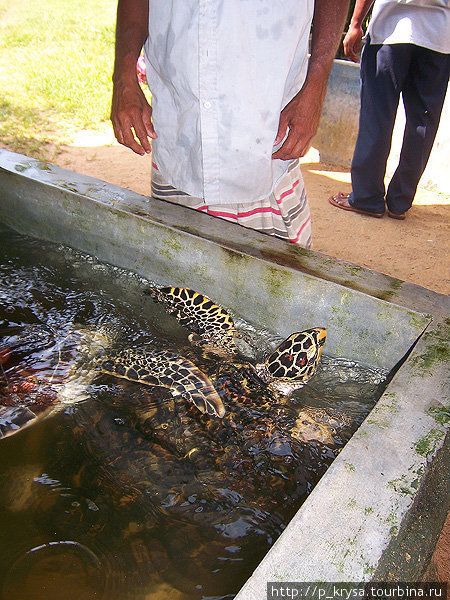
(213, 328)
(294, 361)
(288, 368)
(165, 369)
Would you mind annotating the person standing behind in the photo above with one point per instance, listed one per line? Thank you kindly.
(407, 51)
(235, 102)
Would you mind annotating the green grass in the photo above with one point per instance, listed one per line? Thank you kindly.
(56, 60)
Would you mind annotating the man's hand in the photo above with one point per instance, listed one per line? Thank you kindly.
(354, 35)
(131, 116)
(301, 116)
(352, 42)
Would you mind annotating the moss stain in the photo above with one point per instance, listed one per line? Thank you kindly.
(341, 317)
(434, 354)
(427, 444)
(418, 320)
(202, 271)
(401, 486)
(384, 315)
(368, 569)
(277, 282)
(382, 413)
(339, 566)
(396, 284)
(441, 414)
(437, 349)
(355, 270)
(170, 247)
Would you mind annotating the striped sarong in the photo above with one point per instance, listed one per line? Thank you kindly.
(285, 213)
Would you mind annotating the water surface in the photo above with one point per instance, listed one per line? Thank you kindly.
(123, 491)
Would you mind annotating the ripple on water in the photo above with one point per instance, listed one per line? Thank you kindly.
(54, 570)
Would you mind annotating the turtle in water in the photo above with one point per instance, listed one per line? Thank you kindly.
(165, 369)
(286, 369)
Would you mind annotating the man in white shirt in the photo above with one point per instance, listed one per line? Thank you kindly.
(407, 51)
(235, 102)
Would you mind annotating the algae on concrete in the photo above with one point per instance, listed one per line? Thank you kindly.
(428, 443)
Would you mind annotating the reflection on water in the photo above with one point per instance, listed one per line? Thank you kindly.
(115, 490)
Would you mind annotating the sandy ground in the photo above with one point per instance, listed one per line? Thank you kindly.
(415, 250)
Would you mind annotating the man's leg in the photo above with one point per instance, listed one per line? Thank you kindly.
(423, 96)
(383, 70)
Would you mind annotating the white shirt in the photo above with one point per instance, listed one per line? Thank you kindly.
(220, 72)
(424, 23)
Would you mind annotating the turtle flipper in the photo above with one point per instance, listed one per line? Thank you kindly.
(165, 369)
(209, 321)
(206, 402)
(295, 360)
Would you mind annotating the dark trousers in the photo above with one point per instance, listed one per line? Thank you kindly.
(421, 76)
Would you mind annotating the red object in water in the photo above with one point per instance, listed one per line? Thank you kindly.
(141, 69)
(5, 354)
(27, 385)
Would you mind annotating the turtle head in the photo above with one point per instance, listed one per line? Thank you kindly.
(320, 335)
(295, 360)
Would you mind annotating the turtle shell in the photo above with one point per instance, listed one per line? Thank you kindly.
(212, 326)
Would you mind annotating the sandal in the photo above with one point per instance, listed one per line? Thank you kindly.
(341, 201)
(399, 216)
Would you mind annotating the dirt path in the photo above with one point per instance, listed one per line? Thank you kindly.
(415, 250)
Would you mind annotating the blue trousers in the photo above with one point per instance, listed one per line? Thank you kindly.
(421, 76)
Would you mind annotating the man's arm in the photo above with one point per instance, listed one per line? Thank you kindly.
(131, 115)
(302, 114)
(353, 37)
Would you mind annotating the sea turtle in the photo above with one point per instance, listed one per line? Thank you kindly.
(166, 369)
(286, 369)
